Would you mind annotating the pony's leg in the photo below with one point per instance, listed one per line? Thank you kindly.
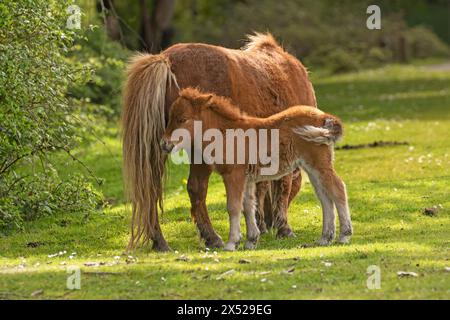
(319, 180)
(234, 185)
(339, 195)
(249, 213)
(280, 214)
(197, 188)
(261, 191)
(159, 243)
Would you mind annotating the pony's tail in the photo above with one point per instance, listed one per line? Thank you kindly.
(143, 123)
(328, 133)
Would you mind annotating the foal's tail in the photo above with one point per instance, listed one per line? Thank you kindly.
(143, 122)
(328, 133)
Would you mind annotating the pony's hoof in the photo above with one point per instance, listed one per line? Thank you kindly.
(250, 245)
(285, 233)
(230, 246)
(214, 243)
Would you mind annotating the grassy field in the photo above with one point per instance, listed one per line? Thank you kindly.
(389, 187)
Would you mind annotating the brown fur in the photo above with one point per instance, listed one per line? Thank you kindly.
(274, 78)
(306, 136)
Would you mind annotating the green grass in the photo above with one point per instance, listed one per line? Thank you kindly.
(388, 189)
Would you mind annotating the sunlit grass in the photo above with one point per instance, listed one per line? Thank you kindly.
(388, 189)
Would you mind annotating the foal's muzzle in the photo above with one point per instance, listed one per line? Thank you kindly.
(166, 146)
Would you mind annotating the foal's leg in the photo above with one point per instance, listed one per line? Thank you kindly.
(318, 178)
(234, 185)
(249, 213)
(197, 188)
(339, 195)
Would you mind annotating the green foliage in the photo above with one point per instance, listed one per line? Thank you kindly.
(36, 117)
(423, 43)
(320, 32)
(46, 194)
(107, 59)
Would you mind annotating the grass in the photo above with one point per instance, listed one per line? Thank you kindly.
(389, 187)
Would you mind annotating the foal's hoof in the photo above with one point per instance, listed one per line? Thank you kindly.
(344, 239)
(262, 228)
(250, 245)
(230, 246)
(323, 242)
(285, 233)
(214, 243)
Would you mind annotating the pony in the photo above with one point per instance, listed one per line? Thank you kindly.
(306, 137)
(274, 77)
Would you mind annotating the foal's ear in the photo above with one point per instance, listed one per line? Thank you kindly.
(203, 100)
(208, 98)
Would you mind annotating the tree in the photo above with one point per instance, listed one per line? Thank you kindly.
(112, 23)
(36, 116)
(155, 29)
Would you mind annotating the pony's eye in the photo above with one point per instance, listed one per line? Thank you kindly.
(182, 120)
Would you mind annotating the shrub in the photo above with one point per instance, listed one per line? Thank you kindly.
(423, 43)
(107, 58)
(36, 116)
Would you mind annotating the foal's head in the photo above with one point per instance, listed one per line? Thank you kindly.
(187, 108)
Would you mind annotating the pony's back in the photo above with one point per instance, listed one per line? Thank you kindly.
(261, 79)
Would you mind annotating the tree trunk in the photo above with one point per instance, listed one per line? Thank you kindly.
(112, 23)
(156, 32)
(146, 27)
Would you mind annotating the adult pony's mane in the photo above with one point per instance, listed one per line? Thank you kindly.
(260, 41)
(219, 104)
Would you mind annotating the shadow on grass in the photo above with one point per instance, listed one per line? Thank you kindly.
(270, 274)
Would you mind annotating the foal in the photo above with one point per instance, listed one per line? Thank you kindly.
(306, 139)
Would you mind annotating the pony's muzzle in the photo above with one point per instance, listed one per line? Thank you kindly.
(166, 146)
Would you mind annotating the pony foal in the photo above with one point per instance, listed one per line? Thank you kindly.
(305, 139)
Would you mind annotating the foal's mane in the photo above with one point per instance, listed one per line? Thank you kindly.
(218, 104)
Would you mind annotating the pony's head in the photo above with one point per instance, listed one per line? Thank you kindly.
(187, 108)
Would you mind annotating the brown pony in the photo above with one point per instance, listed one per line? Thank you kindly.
(305, 137)
(261, 79)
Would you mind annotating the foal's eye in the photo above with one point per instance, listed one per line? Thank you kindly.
(181, 120)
